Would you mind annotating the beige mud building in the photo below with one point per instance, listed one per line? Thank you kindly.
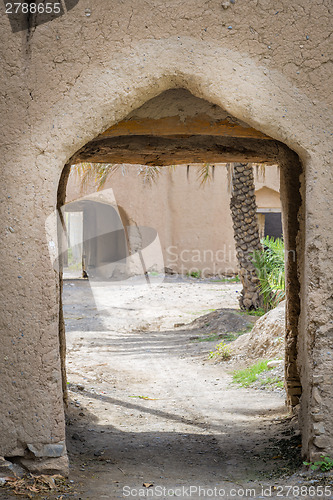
(180, 209)
(70, 87)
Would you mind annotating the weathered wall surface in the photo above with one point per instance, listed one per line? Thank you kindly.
(267, 198)
(64, 82)
(183, 212)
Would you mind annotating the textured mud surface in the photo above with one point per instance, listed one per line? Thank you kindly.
(148, 407)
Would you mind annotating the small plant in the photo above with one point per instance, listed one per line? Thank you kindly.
(222, 351)
(254, 312)
(324, 465)
(153, 273)
(269, 264)
(194, 274)
(249, 375)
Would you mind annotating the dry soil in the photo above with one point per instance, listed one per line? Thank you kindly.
(149, 414)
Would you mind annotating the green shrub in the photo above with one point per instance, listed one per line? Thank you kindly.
(269, 264)
(324, 465)
(195, 274)
(222, 351)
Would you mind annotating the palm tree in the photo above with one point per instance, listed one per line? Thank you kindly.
(243, 210)
(243, 207)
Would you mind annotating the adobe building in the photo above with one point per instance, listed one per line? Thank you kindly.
(70, 85)
(178, 207)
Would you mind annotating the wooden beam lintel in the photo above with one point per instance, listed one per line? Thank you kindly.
(172, 125)
(151, 150)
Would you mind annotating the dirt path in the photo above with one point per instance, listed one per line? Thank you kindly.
(195, 429)
(147, 407)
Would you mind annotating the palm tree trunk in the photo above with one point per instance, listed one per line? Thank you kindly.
(246, 232)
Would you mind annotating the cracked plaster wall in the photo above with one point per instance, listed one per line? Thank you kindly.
(70, 79)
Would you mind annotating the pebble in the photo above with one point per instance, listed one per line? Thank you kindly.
(98, 453)
(275, 363)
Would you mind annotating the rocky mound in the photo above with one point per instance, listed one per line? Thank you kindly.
(223, 321)
(266, 340)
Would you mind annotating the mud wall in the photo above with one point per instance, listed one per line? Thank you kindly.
(184, 212)
(66, 81)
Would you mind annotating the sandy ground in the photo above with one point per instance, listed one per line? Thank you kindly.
(149, 414)
(195, 429)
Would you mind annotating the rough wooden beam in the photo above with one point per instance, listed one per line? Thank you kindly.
(149, 150)
(172, 125)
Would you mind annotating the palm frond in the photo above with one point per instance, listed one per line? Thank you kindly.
(269, 265)
(96, 173)
(106, 170)
(149, 173)
(205, 173)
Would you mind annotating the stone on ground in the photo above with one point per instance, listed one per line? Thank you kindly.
(266, 340)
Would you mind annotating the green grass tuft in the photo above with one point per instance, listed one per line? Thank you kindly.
(227, 337)
(194, 274)
(254, 312)
(249, 375)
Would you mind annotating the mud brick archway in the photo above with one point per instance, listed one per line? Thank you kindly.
(64, 102)
(197, 131)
